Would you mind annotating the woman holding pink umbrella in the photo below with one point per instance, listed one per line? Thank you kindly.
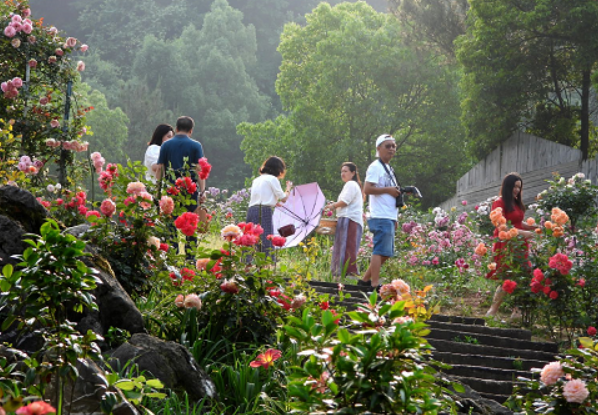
(349, 227)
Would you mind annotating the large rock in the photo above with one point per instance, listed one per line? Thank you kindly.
(168, 361)
(21, 206)
(11, 240)
(85, 396)
(116, 308)
(472, 403)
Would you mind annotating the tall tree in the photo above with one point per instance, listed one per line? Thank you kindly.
(528, 65)
(436, 23)
(345, 78)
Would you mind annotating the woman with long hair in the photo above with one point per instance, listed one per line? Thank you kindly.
(513, 210)
(162, 133)
(266, 193)
(349, 226)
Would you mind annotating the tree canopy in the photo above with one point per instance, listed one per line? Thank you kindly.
(346, 78)
(528, 65)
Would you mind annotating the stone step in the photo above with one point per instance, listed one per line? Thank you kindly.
(459, 320)
(482, 372)
(489, 361)
(448, 346)
(474, 328)
(501, 399)
(491, 340)
(487, 386)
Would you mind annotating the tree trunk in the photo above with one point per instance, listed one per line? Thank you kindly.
(585, 114)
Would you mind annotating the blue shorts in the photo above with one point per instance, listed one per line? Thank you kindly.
(384, 236)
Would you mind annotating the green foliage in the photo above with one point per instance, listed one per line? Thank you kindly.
(557, 398)
(347, 77)
(528, 66)
(45, 76)
(379, 366)
(576, 196)
(109, 128)
(37, 299)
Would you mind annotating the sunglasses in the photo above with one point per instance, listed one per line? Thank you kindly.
(389, 146)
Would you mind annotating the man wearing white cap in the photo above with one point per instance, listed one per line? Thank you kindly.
(382, 188)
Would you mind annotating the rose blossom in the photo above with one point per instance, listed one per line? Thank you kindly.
(298, 301)
(84, 48)
(575, 391)
(401, 286)
(179, 301)
(591, 331)
(9, 31)
(135, 188)
(202, 263)
(192, 301)
(230, 232)
(153, 241)
(80, 66)
(229, 286)
(36, 408)
(187, 223)
(54, 123)
(16, 43)
(108, 207)
(166, 205)
(551, 373)
(59, 52)
(71, 42)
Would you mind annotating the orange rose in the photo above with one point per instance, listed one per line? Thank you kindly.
(513, 232)
(492, 266)
(503, 236)
(538, 230)
(548, 224)
(481, 249)
(530, 221)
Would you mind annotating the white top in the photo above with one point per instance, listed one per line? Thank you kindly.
(266, 190)
(351, 195)
(381, 206)
(151, 157)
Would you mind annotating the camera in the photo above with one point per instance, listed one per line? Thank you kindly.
(408, 189)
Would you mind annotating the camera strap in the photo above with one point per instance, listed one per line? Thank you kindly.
(391, 173)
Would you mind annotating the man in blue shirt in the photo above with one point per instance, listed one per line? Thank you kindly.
(182, 151)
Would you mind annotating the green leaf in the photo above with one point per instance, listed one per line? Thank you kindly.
(155, 383)
(458, 387)
(125, 385)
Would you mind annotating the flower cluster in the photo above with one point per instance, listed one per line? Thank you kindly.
(395, 291)
(187, 223)
(97, 161)
(166, 205)
(541, 284)
(188, 301)
(277, 241)
(36, 408)
(561, 263)
(509, 286)
(11, 88)
(558, 219)
(29, 166)
(205, 168)
(108, 177)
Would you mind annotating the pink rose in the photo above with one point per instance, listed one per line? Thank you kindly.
(16, 43)
(27, 28)
(179, 301)
(551, 373)
(26, 12)
(84, 48)
(54, 123)
(50, 142)
(192, 301)
(166, 205)
(10, 31)
(52, 59)
(464, 202)
(4, 86)
(575, 391)
(32, 63)
(16, 18)
(31, 39)
(71, 42)
(135, 188)
(108, 207)
(17, 82)
(80, 66)
(43, 100)
(59, 52)
(53, 30)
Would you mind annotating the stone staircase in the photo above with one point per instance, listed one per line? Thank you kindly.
(487, 359)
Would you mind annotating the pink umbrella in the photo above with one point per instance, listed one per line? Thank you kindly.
(302, 209)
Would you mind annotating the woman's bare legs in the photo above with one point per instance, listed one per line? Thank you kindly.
(499, 296)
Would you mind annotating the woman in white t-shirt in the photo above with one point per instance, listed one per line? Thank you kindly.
(162, 134)
(349, 227)
(266, 193)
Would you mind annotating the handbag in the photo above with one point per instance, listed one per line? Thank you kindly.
(287, 230)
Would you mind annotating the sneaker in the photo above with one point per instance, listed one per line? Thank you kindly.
(362, 283)
(377, 289)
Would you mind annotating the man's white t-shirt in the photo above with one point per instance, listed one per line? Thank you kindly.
(266, 191)
(351, 195)
(381, 206)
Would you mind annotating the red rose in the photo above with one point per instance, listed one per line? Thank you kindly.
(554, 295)
(187, 223)
(591, 331)
(509, 286)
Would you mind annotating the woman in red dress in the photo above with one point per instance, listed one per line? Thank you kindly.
(513, 209)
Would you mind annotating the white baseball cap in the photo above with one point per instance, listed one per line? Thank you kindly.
(381, 139)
